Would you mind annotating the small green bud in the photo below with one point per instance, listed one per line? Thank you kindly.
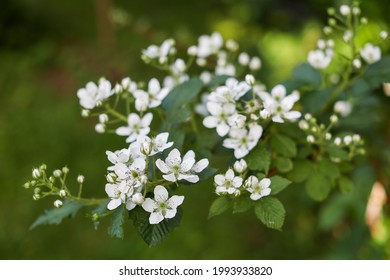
(65, 170)
(37, 190)
(27, 185)
(95, 217)
(42, 167)
(58, 203)
(80, 179)
(36, 173)
(36, 196)
(332, 22)
(57, 173)
(331, 11)
(52, 179)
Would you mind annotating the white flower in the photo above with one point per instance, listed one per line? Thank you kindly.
(80, 179)
(118, 193)
(310, 139)
(249, 79)
(243, 140)
(230, 92)
(152, 98)
(319, 59)
(178, 67)
(228, 183)
(237, 120)
(121, 156)
(208, 45)
(131, 175)
(220, 114)
(279, 105)
(196, 168)
(93, 95)
(136, 126)
(160, 52)
(344, 108)
(225, 69)
(175, 169)
(162, 206)
(155, 145)
(371, 53)
(243, 59)
(258, 189)
(345, 10)
(100, 128)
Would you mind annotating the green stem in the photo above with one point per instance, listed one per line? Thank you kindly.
(116, 114)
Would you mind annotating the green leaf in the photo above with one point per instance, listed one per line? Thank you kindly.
(278, 184)
(283, 164)
(242, 203)
(56, 215)
(345, 184)
(378, 73)
(337, 153)
(301, 170)
(270, 211)
(318, 186)
(306, 75)
(334, 211)
(283, 145)
(153, 234)
(217, 80)
(178, 116)
(182, 95)
(116, 228)
(259, 159)
(220, 205)
(314, 101)
(330, 169)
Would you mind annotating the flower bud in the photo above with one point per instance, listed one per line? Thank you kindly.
(143, 179)
(334, 119)
(332, 22)
(27, 185)
(80, 179)
(37, 190)
(386, 88)
(327, 30)
(33, 183)
(345, 10)
(201, 61)
(240, 166)
(347, 140)
(145, 148)
(243, 59)
(310, 139)
(250, 80)
(95, 217)
(65, 170)
(100, 128)
(303, 125)
(356, 138)
(57, 173)
(42, 167)
(85, 113)
(111, 178)
(58, 203)
(62, 193)
(383, 35)
(331, 11)
(328, 136)
(363, 20)
(192, 51)
(264, 114)
(337, 141)
(254, 117)
(357, 63)
(249, 182)
(51, 179)
(356, 11)
(138, 198)
(231, 45)
(36, 196)
(103, 118)
(308, 116)
(36, 173)
(255, 63)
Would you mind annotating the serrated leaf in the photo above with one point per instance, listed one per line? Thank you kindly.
(283, 164)
(259, 159)
(116, 228)
(270, 211)
(242, 204)
(182, 95)
(56, 215)
(330, 169)
(220, 205)
(153, 234)
(306, 75)
(283, 145)
(301, 170)
(345, 184)
(278, 184)
(318, 186)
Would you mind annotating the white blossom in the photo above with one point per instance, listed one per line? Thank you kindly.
(93, 95)
(258, 189)
(240, 166)
(58, 203)
(80, 179)
(371, 53)
(220, 114)
(255, 63)
(100, 128)
(175, 169)
(160, 52)
(228, 183)
(162, 207)
(208, 45)
(152, 98)
(344, 108)
(345, 10)
(279, 105)
(320, 59)
(243, 140)
(120, 156)
(237, 120)
(243, 59)
(136, 126)
(196, 168)
(155, 145)
(232, 91)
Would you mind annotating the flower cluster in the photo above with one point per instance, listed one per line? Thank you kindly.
(233, 184)
(234, 114)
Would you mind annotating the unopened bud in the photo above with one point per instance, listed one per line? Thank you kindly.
(356, 11)
(42, 167)
(345, 10)
(62, 193)
(85, 113)
(264, 114)
(111, 178)
(249, 182)
(243, 59)
(27, 185)
(231, 45)
(103, 118)
(383, 35)
(36, 173)
(57, 173)
(36, 196)
(310, 139)
(328, 136)
(52, 179)
(347, 140)
(240, 166)
(100, 128)
(143, 179)
(303, 125)
(138, 198)
(192, 51)
(145, 148)
(37, 190)
(337, 141)
(334, 119)
(255, 63)
(80, 179)
(95, 217)
(65, 170)
(58, 203)
(250, 80)
(357, 63)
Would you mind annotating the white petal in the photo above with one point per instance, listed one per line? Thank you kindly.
(293, 115)
(219, 179)
(155, 218)
(189, 154)
(160, 194)
(114, 203)
(130, 205)
(123, 131)
(162, 166)
(170, 177)
(222, 129)
(200, 165)
(277, 119)
(229, 174)
(175, 201)
(139, 164)
(111, 189)
(133, 119)
(279, 91)
(187, 164)
(237, 182)
(210, 121)
(149, 205)
(265, 183)
(170, 213)
(173, 155)
(147, 119)
(190, 178)
(240, 152)
(265, 192)
(214, 108)
(112, 157)
(153, 86)
(255, 196)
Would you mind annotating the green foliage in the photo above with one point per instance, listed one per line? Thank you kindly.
(283, 145)
(304, 74)
(259, 159)
(301, 170)
(116, 228)
(345, 184)
(242, 204)
(97, 212)
(283, 164)
(278, 184)
(182, 95)
(318, 186)
(220, 205)
(56, 215)
(153, 234)
(270, 211)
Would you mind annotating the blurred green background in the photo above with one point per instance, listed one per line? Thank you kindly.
(49, 49)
